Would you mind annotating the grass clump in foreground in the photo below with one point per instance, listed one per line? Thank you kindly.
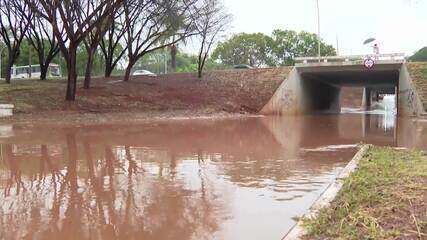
(384, 199)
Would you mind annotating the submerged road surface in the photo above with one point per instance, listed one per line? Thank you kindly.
(204, 179)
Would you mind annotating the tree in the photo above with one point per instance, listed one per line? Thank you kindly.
(156, 62)
(78, 18)
(260, 50)
(251, 49)
(211, 22)
(97, 65)
(110, 45)
(13, 26)
(41, 37)
(173, 52)
(91, 43)
(25, 54)
(420, 56)
(288, 44)
(186, 62)
(153, 25)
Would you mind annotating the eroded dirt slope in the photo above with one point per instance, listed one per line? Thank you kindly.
(418, 72)
(229, 91)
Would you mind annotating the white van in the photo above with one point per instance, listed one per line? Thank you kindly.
(20, 72)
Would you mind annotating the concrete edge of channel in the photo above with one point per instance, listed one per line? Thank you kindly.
(328, 195)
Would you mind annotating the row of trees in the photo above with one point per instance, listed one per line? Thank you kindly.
(130, 28)
(126, 31)
(279, 49)
(28, 55)
(154, 61)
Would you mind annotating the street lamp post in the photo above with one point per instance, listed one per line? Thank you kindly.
(29, 63)
(166, 62)
(318, 28)
(1, 54)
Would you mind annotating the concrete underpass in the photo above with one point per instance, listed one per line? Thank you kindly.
(316, 87)
(322, 86)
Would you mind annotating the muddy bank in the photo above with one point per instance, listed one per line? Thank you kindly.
(66, 118)
(172, 95)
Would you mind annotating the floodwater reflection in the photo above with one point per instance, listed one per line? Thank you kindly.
(207, 179)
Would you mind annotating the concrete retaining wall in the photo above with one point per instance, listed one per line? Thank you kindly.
(409, 101)
(287, 100)
(418, 73)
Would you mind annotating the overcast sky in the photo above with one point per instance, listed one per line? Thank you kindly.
(399, 25)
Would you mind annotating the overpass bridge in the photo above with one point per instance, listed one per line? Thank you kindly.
(314, 85)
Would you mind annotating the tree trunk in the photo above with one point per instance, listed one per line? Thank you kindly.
(173, 57)
(72, 163)
(43, 71)
(9, 68)
(200, 66)
(199, 69)
(8, 72)
(129, 70)
(108, 68)
(86, 84)
(72, 75)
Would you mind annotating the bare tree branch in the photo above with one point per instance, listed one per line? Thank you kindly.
(13, 27)
(41, 37)
(153, 25)
(78, 19)
(211, 20)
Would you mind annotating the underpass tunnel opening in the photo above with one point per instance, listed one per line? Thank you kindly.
(332, 91)
(319, 96)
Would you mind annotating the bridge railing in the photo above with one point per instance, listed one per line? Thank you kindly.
(398, 57)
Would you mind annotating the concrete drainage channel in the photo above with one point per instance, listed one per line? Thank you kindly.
(328, 195)
(6, 110)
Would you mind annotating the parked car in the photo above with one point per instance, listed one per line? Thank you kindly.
(144, 73)
(242, 66)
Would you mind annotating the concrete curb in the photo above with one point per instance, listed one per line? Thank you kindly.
(328, 195)
(6, 110)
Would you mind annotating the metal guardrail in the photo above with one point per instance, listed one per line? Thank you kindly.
(349, 58)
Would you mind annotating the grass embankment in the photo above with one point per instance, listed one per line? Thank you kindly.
(418, 72)
(384, 199)
(230, 91)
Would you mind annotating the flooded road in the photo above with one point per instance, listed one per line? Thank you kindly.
(193, 179)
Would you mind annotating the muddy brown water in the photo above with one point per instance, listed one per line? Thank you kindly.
(193, 179)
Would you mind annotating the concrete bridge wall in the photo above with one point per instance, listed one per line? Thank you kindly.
(318, 88)
(409, 101)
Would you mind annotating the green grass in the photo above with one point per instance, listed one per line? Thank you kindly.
(383, 199)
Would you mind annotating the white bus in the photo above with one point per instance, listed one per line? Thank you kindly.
(20, 72)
